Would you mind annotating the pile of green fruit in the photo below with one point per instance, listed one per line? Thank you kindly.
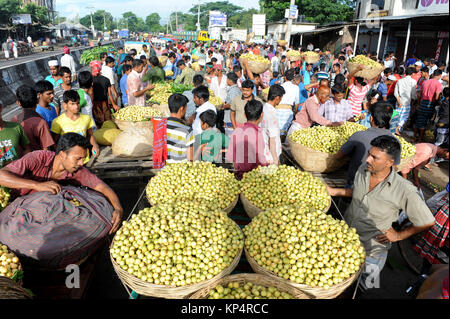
(177, 244)
(362, 59)
(408, 149)
(9, 263)
(247, 291)
(93, 54)
(160, 93)
(304, 245)
(255, 58)
(136, 113)
(326, 139)
(4, 198)
(193, 181)
(274, 186)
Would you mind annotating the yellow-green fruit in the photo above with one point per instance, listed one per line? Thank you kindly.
(408, 149)
(4, 198)
(304, 245)
(109, 124)
(9, 263)
(135, 113)
(177, 244)
(255, 58)
(362, 59)
(106, 136)
(247, 291)
(273, 186)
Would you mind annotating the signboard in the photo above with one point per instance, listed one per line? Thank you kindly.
(293, 12)
(433, 6)
(217, 19)
(124, 33)
(287, 14)
(21, 19)
(239, 34)
(259, 24)
(214, 33)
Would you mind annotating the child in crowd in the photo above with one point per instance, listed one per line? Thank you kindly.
(247, 147)
(214, 142)
(275, 79)
(73, 121)
(45, 96)
(123, 84)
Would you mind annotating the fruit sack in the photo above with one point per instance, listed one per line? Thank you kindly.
(256, 64)
(134, 142)
(50, 231)
(311, 57)
(371, 68)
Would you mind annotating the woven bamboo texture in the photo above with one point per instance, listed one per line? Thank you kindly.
(311, 58)
(123, 125)
(314, 161)
(169, 292)
(282, 43)
(368, 73)
(294, 58)
(403, 163)
(256, 67)
(9, 289)
(256, 279)
(318, 292)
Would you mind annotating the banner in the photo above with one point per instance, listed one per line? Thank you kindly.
(217, 19)
(21, 19)
(433, 6)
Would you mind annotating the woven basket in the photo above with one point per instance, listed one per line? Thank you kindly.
(170, 292)
(256, 67)
(282, 43)
(311, 58)
(294, 58)
(368, 73)
(256, 279)
(123, 125)
(317, 292)
(253, 211)
(314, 161)
(163, 60)
(9, 289)
(163, 108)
(227, 209)
(403, 163)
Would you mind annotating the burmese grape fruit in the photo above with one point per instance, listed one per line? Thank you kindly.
(9, 263)
(135, 113)
(326, 139)
(4, 198)
(160, 93)
(362, 59)
(293, 53)
(273, 186)
(187, 181)
(177, 244)
(216, 101)
(234, 290)
(408, 149)
(255, 58)
(304, 245)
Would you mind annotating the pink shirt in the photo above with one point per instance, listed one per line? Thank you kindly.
(424, 152)
(134, 84)
(310, 114)
(430, 88)
(356, 97)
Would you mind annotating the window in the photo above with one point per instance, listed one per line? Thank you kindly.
(378, 3)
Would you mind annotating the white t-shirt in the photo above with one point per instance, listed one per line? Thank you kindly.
(271, 129)
(108, 72)
(292, 94)
(196, 126)
(219, 58)
(219, 90)
(67, 61)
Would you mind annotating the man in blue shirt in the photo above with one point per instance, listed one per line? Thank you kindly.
(307, 72)
(383, 87)
(123, 84)
(44, 107)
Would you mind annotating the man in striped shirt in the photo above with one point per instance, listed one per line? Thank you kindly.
(358, 90)
(180, 137)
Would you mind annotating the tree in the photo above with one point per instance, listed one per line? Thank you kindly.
(152, 22)
(38, 14)
(135, 24)
(243, 20)
(223, 6)
(99, 18)
(186, 21)
(318, 11)
(8, 8)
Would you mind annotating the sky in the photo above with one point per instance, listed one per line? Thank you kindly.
(142, 8)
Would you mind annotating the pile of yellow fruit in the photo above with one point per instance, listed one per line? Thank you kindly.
(161, 93)
(234, 290)
(169, 73)
(273, 186)
(9, 263)
(408, 149)
(136, 113)
(4, 198)
(255, 58)
(193, 181)
(304, 245)
(310, 53)
(216, 101)
(362, 59)
(293, 55)
(177, 244)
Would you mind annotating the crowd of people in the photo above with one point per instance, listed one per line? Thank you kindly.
(250, 127)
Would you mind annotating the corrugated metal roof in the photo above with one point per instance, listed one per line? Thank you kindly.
(325, 29)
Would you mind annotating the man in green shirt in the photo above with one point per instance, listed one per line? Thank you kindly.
(155, 74)
(211, 142)
(187, 74)
(13, 141)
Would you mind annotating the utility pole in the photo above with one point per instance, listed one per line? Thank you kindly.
(198, 17)
(92, 24)
(176, 20)
(289, 26)
(104, 21)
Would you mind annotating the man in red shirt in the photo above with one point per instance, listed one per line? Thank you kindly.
(35, 127)
(43, 171)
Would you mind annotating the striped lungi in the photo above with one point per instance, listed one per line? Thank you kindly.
(285, 117)
(424, 114)
(404, 112)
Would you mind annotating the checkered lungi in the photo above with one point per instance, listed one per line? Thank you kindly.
(424, 114)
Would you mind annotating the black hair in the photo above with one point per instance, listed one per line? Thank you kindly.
(341, 58)
(128, 58)
(109, 60)
(176, 101)
(71, 95)
(424, 69)
(102, 55)
(137, 62)
(119, 48)
(237, 68)
(360, 80)
(337, 65)
(69, 140)
(64, 69)
(202, 92)
(283, 57)
(388, 144)
(43, 86)
(445, 92)
(133, 52)
(387, 55)
(290, 74)
(143, 57)
(382, 113)
(213, 60)
(172, 55)
(126, 68)
(253, 110)
(247, 84)
(180, 63)
(85, 79)
(410, 71)
(275, 91)
(154, 61)
(437, 72)
(338, 88)
(27, 96)
(232, 77)
(209, 117)
(187, 58)
(198, 80)
(322, 66)
(209, 65)
(275, 74)
(144, 46)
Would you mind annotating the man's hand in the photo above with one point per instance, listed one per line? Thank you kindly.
(115, 221)
(150, 87)
(49, 186)
(334, 124)
(389, 236)
(116, 107)
(226, 106)
(95, 151)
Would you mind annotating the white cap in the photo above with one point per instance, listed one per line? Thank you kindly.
(53, 63)
(392, 78)
(317, 49)
(418, 63)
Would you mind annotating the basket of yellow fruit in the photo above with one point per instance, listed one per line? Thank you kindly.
(163, 60)
(4, 197)
(371, 68)
(282, 43)
(136, 116)
(407, 155)
(249, 286)
(10, 266)
(293, 55)
(195, 57)
(265, 94)
(310, 57)
(257, 64)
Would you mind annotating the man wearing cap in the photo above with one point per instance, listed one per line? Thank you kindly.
(68, 61)
(54, 77)
(418, 65)
(378, 195)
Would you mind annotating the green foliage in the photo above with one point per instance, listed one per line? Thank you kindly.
(99, 18)
(243, 20)
(38, 14)
(93, 54)
(8, 8)
(152, 22)
(223, 6)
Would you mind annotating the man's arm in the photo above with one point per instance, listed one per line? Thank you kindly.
(340, 192)
(114, 200)
(10, 180)
(315, 117)
(273, 150)
(142, 92)
(391, 235)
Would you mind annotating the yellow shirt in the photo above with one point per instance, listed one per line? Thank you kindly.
(63, 124)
